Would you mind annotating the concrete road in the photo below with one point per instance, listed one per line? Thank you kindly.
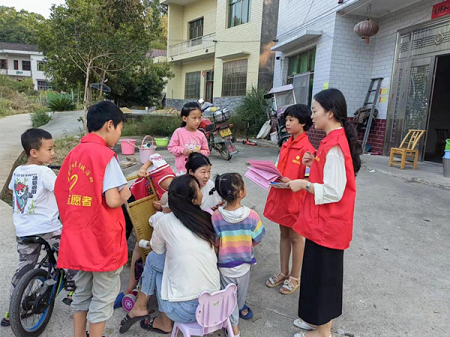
(397, 280)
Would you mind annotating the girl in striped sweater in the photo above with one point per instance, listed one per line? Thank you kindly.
(238, 229)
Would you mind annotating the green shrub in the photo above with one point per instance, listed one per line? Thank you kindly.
(253, 108)
(157, 126)
(61, 103)
(40, 118)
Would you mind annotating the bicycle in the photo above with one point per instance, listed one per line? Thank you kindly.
(34, 296)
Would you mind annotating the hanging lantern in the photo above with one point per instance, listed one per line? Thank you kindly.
(367, 28)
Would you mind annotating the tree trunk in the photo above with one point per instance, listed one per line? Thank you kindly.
(100, 96)
(87, 97)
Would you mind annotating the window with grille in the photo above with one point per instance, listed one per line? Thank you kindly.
(26, 65)
(3, 64)
(234, 78)
(239, 12)
(192, 85)
(196, 31)
(302, 64)
(44, 85)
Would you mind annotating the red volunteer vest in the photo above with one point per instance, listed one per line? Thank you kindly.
(329, 225)
(282, 205)
(93, 234)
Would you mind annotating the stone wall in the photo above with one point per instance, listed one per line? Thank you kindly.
(228, 102)
(177, 103)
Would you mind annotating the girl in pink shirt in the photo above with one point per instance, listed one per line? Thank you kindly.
(187, 139)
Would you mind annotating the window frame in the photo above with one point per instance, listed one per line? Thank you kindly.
(48, 85)
(28, 67)
(194, 93)
(3, 64)
(40, 64)
(196, 39)
(234, 82)
(310, 68)
(239, 6)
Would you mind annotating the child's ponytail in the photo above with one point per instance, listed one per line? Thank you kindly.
(333, 100)
(229, 186)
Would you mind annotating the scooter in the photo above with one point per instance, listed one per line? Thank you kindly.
(247, 141)
(282, 98)
(218, 132)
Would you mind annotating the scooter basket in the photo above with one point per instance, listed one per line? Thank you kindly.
(220, 116)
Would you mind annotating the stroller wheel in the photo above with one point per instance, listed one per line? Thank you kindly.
(128, 302)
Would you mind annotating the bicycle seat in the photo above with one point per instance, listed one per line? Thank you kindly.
(34, 239)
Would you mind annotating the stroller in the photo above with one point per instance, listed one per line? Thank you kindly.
(282, 98)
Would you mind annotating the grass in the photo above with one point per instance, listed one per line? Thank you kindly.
(40, 118)
(156, 126)
(62, 148)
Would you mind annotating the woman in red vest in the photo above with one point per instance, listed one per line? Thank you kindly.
(326, 220)
(282, 205)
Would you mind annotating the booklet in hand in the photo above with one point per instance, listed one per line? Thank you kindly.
(263, 173)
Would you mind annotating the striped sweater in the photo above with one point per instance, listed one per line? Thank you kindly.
(237, 238)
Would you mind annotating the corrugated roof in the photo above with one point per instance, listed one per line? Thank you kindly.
(157, 53)
(18, 46)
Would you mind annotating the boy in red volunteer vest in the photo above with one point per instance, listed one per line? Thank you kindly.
(90, 190)
(282, 205)
(326, 219)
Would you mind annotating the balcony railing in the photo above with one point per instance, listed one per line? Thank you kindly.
(189, 46)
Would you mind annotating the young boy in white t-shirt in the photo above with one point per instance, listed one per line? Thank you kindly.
(34, 205)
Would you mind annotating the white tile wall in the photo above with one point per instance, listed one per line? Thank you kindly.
(342, 59)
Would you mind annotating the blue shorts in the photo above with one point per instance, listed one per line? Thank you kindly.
(151, 283)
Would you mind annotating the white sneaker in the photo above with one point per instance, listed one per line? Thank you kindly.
(299, 323)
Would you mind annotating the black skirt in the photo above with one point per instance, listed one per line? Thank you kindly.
(321, 284)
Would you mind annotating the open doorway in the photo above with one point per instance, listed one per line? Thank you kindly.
(439, 119)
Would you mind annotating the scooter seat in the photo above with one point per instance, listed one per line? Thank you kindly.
(210, 127)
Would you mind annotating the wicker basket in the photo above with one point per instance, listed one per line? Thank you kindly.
(140, 211)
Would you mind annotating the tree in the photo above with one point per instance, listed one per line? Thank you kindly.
(96, 38)
(19, 27)
(141, 86)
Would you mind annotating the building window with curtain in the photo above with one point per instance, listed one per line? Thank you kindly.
(239, 12)
(196, 32)
(301, 75)
(192, 85)
(234, 78)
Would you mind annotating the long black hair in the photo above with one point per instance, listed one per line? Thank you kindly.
(182, 191)
(195, 161)
(229, 185)
(186, 110)
(333, 100)
(302, 112)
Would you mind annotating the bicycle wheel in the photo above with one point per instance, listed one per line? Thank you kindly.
(31, 304)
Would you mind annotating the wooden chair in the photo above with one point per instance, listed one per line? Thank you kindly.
(140, 211)
(407, 148)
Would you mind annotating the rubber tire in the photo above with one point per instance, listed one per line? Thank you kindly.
(224, 152)
(16, 305)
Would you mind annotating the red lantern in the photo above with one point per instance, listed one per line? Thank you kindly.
(366, 29)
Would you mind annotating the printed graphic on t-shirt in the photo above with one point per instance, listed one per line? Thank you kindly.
(193, 146)
(25, 187)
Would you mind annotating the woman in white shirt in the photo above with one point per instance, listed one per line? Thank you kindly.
(183, 262)
(199, 166)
